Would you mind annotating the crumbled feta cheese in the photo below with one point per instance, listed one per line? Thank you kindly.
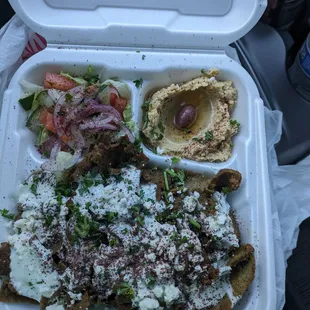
(148, 304)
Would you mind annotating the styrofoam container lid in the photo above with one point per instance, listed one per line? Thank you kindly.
(152, 23)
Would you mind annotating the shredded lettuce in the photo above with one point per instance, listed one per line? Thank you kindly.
(78, 80)
(30, 87)
(121, 87)
(42, 136)
(127, 116)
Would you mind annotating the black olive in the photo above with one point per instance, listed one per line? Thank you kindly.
(186, 116)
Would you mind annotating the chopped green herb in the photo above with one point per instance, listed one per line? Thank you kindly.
(137, 144)
(178, 176)
(30, 284)
(138, 82)
(186, 130)
(208, 136)
(151, 280)
(68, 97)
(197, 139)
(111, 216)
(49, 220)
(175, 160)
(194, 223)
(137, 51)
(234, 122)
(113, 242)
(226, 190)
(184, 239)
(59, 199)
(203, 71)
(125, 290)
(231, 145)
(34, 185)
(150, 200)
(166, 181)
(90, 77)
(146, 104)
(130, 188)
(102, 88)
(135, 209)
(191, 246)
(83, 226)
(143, 57)
(174, 236)
(145, 120)
(140, 220)
(5, 213)
(141, 193)
(125, 231)
(41, 282)
(88, 205)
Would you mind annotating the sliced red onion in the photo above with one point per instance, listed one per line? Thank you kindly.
(55, 94)
(77, 137)
(54, 151)
(95, 107)
(127, 132)
(97, 125)
(47, 146)
(96, 122)
(77, 94)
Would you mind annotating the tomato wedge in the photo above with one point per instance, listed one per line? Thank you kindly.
(47, 120)
(118, 103)
(113, 98)
(57, 81)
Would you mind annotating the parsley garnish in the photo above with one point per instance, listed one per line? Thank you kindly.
(143, 57)
(30, 284)
(49, 220)
(208, 136)
(137, 51)
(203, 71)
(113, 242)
(234, 122)
(138, 146)
(34, 185)
(68, 97)
(178, 176)
(124, 289)
(5, 213)
(125, 231)
(184, 239)
(194, 223)
(111, 216)
(174, 236)
(197, 139)
(166, 181)
(175, 160)
(138, 82)
(140, 220)
(226, 190)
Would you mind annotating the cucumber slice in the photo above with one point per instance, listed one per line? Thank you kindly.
(33, 121)
(42, 136)
(44, 99)
(27, 102)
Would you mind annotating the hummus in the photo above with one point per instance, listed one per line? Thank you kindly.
(210, 137)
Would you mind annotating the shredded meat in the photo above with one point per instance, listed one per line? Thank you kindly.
(155, 177)
(9, 294)
(243, 275)
(106, 156)
(224, 304)
(226, 178)
(5, 252)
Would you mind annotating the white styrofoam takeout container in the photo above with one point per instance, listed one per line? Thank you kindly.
(178, 38)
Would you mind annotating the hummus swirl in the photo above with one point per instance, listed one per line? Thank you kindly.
(213, 139)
